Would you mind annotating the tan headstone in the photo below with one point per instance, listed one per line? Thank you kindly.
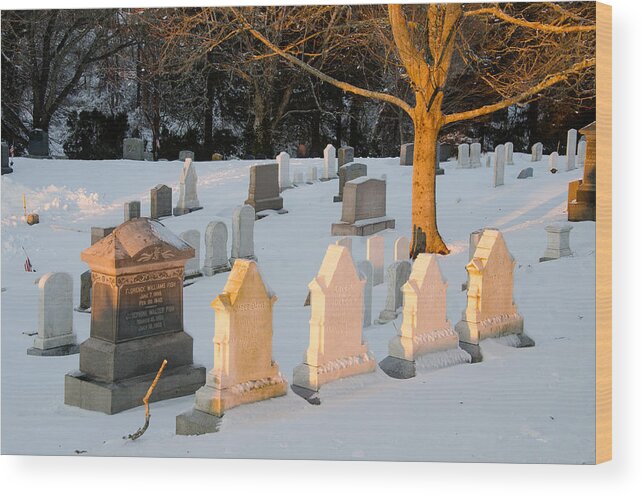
(425, 327)
(244, 371)
(336, 349)
(401, 248)
(490, 311)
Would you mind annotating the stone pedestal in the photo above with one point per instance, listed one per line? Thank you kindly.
(137, 321)
(557, 242)
(581, 203)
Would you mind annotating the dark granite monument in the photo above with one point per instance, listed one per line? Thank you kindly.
(38, 143)
(345, 155)
(6, 168)
(137, 321)
(160, 201)
(133, 149)
(363, 209)
(263, 191)
(348, 173)
(581, 200)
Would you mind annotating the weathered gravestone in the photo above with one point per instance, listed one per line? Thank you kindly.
(396, 275)
(311, 175)
(553, 160)
(133, 149)
(537, 152)
(491, 311)
(363, 208)
(38, 143)
(499, 166)
(345, 155)
(336, 349)
(406, 154)
(131, 210)
(183, 154)
(283, 162)
(365, 270)
(571, 149)
(401, 248)
(98, 233)
(509, 153)
(193, 265)
(330, 163)
(475, 150)
(55, 317)
(216, 248)
(557, 242)
(188, 198)
(160, 201)
(137, 321)
(348, 173)
(487, 161)
(85, 292)
(244, 370)
(526, 172)
(298, 178)
(263, 191)
(6, 168)
(463, 156)
(439, 171)
(581, 201)
(474, 238)
(375, 255)
(243, 226)
(447, 150)
(582, 149)
(425, 329)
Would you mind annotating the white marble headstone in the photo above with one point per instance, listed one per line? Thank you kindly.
(375, 255)
(216, 248)
(243, 225)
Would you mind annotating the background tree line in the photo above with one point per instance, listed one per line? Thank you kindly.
(192, 79)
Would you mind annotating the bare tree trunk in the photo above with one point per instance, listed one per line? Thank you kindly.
(426, 238)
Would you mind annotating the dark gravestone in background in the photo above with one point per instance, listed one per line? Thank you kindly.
(38, 143)
(160, 201)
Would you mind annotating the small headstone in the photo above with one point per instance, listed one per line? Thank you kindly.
(509, 153)
(6, 168)
(375, 255)
(463, 156)
(475, 151)
(571, 149)
(553, 160)
(348, 173)
(447, 150)
(216, 248)
(263, 190)
(183, 154)
(85, 291)
(425, 328)
(312, 174)
(365, 270)
(188, 198)
(491, 311)
(137, 321)
(526, 172)
(283, 162)
(98, 233)
(345, 155)
(131, 210)
(55, 317)
(38, 143)
(396, 276)
(363, 208)
(487, 161)
(243, 226)
(298, 177)
(401, 248)
(193, 266)
(582, 150)
(557, 242)
(439, 171)
(133, 149)
(330, 163)
(244, 369)
(537, 152)
(160, 201)
(499, 166)
(336, 349)
(347, 243)
(406, 154)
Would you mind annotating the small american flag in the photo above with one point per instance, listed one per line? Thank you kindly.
(28, 266)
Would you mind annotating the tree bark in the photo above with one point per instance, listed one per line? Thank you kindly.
(426, 238)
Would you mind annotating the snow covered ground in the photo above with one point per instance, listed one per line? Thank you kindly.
(518, 405)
